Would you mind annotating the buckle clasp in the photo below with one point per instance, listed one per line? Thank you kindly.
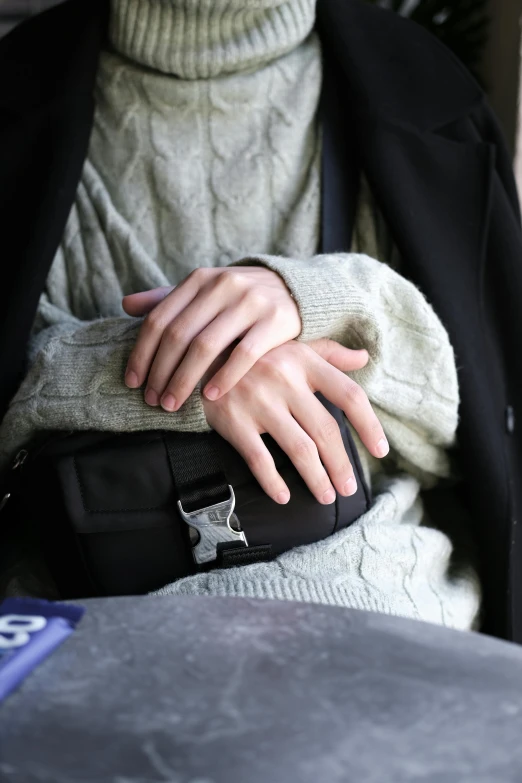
(213, 525)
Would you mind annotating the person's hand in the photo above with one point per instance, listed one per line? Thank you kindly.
(188, 326)
(277, 396)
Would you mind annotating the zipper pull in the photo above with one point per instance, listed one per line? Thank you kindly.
(17, 463)
(20, 458)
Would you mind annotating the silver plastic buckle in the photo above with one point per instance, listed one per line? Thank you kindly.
(213, 525)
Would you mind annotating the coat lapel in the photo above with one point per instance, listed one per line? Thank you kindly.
(435, 195)
(433, 190)
(47, 71)
(393, 67)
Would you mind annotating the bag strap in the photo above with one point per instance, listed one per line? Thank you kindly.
(341, 164)
(196, 469)
(206, 501)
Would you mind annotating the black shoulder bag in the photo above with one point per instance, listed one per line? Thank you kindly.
(118, 514)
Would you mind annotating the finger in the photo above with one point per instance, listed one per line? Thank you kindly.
(345, 359)
(302, 451)
(144, 301)
(323, 429)
(176, 383)
(352, 399)
(248, 442)
(153, 327)
(258, 340)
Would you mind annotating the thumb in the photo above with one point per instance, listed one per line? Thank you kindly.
(345, 359)
(145, 301)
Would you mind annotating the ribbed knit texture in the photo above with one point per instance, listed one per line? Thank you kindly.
(206, 151)
(200, 39)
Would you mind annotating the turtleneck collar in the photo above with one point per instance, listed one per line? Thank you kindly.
(199, 39)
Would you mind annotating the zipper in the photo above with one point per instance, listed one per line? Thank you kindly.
(13, 478)
(16, 464)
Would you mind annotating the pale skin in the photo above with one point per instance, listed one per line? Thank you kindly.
(235, 328)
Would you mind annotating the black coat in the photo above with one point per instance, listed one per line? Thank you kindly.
(433, 153)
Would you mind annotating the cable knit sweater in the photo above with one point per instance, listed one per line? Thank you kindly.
(206, 151)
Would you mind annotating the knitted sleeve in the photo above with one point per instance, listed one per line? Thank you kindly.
(411, 376)
(75, 381)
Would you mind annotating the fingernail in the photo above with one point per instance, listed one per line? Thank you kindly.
(212, 393)
(350, 488)
(151, 397)
(382, 447)
(168, 402)
(283, 497)
(329, 496)
(131, 379)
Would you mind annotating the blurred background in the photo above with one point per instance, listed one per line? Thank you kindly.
(484, 34)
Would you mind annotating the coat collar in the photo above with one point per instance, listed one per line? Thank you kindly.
(395, 71)
(52, 54)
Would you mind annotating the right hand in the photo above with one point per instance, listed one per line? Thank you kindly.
(277, 396)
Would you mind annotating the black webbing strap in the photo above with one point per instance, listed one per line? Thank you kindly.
(228, 557)
(196, 469)
(341, 164)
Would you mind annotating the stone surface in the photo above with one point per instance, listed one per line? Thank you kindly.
(210, 690)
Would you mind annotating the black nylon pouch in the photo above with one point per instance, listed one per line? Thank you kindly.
(104, 508)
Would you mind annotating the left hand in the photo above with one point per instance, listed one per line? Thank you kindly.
(189, 325)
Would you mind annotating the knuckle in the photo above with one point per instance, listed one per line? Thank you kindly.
(204, 345)
(304, 449)
(153, 322)
(305, 352)
(231, 280)
(256, 459)
(354, 393)
(299, 354)
(283, 371)
(174, 332)
(255, 299)
(198, 274)
(278, 310)
(247, 350)
(278, 367)
(237, 278)
(329, 430)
